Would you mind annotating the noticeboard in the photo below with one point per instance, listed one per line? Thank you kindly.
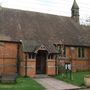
(67, 66)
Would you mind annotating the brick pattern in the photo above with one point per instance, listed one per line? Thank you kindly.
(50, 67)
(8, 58)
(31, 66)
(77, 64)
(80, 65)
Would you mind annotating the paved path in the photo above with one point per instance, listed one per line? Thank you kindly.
(53, 84)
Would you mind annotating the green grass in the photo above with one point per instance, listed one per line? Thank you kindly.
(22, 84)
(76, 78)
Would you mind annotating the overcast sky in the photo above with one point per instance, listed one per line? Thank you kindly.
(59, 7)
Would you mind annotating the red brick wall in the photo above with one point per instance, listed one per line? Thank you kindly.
(22, 63)
(31, 66)
(81, 64)
(8, 61)
(51, 67)
(78, 64)
(8, 57)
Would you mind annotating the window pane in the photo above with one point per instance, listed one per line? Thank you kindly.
(30, 55)
(49, 56)
(83, 52)
(33, 55)
(79, 52)
(64, 52)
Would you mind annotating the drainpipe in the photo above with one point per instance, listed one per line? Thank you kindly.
(25, 64)
(18, 59)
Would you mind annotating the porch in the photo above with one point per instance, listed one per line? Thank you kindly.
(38, 63)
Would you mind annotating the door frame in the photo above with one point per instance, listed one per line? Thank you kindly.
(41, 69)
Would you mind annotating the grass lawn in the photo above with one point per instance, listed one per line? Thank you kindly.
(77, 78)
(22, 84)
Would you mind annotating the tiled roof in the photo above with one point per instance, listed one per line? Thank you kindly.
(40, 28)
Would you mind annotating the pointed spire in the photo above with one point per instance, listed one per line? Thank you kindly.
(75, 5)
(75, 11)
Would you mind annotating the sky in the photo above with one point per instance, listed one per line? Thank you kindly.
(58, 7)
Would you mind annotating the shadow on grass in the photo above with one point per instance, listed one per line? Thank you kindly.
(22, 83)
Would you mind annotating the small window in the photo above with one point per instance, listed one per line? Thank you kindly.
(50, 56)
(64, 53)
(81, 52)
(31, 55)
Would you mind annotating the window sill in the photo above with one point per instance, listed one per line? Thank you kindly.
(82, 58)
(63, 58)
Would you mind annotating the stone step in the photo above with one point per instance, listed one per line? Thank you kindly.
(41, 76)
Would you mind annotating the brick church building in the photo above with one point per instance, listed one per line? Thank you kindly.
(30, 42)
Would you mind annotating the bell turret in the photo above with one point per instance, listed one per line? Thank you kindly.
(75, 11)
